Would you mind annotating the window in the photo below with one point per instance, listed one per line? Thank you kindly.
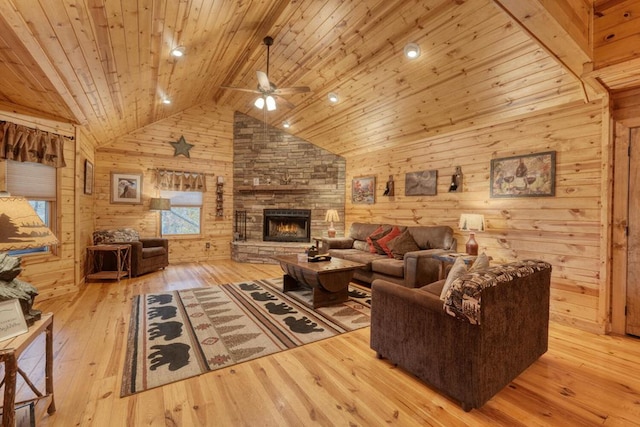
(185, 214)
(37, 183)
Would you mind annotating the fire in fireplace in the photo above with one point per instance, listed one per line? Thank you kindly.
(287, 225)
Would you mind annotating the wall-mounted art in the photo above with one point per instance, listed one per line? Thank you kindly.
(423, 183)
(530, 175)
(88, 177)
(126, 188)
(363, 190)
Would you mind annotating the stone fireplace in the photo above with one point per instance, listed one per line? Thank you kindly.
(276, 171)
(286, 225)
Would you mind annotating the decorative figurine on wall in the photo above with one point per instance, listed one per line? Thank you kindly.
(181, 147)
(456, 181)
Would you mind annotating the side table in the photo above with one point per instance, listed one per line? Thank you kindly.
(10, 351)
(95, 261)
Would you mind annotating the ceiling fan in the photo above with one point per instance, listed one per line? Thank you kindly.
(267, 90)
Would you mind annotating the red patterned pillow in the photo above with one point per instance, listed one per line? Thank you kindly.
(378, 233)
(395, 232)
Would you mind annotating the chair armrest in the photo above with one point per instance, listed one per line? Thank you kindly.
(387, 291)
(420, 268)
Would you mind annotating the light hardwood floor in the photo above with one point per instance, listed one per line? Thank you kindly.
(583, 379)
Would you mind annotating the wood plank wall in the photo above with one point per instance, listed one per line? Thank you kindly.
(210, 129)
(54, 274)
(564, 230)
(85, 220)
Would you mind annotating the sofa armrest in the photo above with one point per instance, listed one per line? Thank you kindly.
(386, 290)
(420, 268)
(337, 243)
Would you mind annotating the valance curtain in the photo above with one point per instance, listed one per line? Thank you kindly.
(180, 181)
(25, 144)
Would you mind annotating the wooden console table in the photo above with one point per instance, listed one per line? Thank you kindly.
(10, 351)
(95, 261)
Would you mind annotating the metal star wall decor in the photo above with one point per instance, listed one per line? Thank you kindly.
(181, 147)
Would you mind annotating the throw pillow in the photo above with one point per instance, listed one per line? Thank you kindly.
(373, 237)
(395, 232)
(458, 269)
(480, 263)
(402, 244)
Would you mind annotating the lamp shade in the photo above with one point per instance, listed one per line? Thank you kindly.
(160, 204)
(471, 222)
(21, 227)
(332, 215)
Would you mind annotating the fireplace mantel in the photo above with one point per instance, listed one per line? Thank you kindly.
(281, 188)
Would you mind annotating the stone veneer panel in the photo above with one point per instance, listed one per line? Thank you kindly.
(267, 153)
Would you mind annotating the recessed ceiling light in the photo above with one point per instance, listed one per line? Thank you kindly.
(412, 51)
(166, 101)
(286, 125)
(333, 97)
(177, 51)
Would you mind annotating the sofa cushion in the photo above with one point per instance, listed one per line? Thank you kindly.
(113, 236)
(395, 232)
(360, 231)
(402, 244)
(372, 239)
(458, 269)
(362, 257)
(388, 266)
(464, 298)
(432, 236)
(153, 252)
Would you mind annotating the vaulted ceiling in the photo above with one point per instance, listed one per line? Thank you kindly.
(106, 64)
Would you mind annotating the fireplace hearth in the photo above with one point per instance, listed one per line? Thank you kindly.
(287, 225)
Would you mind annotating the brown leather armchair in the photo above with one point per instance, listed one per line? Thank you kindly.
(147, 253)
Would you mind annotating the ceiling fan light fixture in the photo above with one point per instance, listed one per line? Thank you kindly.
(271, 103)
(412, 51)
(178, 51)
(333, 97)
(259, 103)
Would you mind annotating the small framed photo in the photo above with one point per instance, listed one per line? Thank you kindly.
(423, 183)
(363, 190)
(126, 188)
(12, 321)
(530, 175)
(88, 177)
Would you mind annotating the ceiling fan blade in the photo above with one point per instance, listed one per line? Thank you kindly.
(263, 81)
(291, 90)
(286, 103)
(241, 89)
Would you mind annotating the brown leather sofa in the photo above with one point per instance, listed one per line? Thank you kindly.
(491, 326)
(147, 253)
(411, 269)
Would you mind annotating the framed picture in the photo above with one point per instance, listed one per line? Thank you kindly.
(126, 188)
(363, 190)
(12, 321)
(88, 177)
(422, 183)
(531, 175)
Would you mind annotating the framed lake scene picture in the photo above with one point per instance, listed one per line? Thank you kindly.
(530, 175)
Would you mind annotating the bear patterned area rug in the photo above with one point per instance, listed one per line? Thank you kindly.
(176, 335)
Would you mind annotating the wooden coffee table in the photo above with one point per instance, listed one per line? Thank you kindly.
(328, 280)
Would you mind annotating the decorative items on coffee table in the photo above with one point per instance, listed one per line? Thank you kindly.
(471, 223)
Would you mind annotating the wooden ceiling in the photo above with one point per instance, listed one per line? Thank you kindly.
(106, 64)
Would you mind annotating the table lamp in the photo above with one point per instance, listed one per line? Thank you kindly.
(20, 228)
(332, 215)
(471, 223)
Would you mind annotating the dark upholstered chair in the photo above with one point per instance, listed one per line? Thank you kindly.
(491, 326)
(147, 253)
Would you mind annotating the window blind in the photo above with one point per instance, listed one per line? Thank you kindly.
(183, 198)
(31, 180)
